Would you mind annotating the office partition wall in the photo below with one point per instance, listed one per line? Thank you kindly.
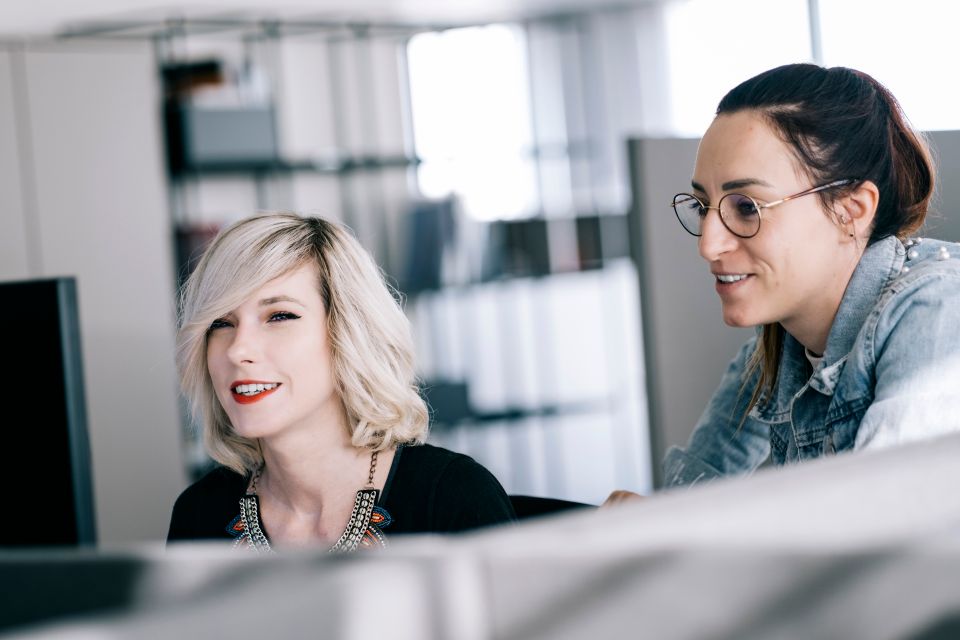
(686, 344)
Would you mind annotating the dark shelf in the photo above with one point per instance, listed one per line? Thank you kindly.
(517, 250)
(514, 414)
(450, 406)
(278, 167)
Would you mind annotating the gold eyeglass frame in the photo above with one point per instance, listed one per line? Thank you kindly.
(757, 205)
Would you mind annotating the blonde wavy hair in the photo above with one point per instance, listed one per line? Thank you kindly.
(370, 338)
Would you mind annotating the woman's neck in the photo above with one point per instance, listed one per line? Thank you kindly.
(813, 338)
(304, 468)
(812, 327)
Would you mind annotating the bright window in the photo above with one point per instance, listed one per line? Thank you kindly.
(910, 48)
(713, 46)
(470, 99)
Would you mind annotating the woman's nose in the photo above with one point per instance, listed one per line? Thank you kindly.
(715, 238)
(244, 346)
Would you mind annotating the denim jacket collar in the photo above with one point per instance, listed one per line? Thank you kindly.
(880, 263)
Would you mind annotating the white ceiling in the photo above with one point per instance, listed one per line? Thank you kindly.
(44, 17)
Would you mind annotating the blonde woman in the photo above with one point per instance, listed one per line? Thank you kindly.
(297, 361)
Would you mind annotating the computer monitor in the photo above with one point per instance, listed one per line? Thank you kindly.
(47, 487)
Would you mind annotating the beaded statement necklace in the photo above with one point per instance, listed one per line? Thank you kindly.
(363, 528)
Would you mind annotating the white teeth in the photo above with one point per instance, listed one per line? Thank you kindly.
(254, 389)
(730, 278)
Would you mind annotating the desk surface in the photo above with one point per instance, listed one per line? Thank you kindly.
(854, 546)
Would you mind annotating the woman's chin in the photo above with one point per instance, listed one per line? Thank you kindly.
(252, 431)
(738, 319)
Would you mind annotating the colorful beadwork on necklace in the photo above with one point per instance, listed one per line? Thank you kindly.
(363, 530)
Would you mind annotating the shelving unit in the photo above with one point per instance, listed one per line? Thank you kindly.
(537, 349)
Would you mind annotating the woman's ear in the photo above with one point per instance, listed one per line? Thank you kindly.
(856, 210)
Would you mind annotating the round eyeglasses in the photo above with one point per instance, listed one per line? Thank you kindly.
(740, 214)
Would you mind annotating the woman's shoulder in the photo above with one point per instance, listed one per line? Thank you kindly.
(430, 453)
(912, 321)
(928, 278)
(431, 463)
(927, 260)
(218, 482)
(438, 490)
(907, 282)
(206, 507)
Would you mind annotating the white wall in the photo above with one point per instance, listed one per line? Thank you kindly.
(13, 239)
(100, 213)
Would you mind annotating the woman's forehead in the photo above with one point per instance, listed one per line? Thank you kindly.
(303, 278)
(743, 146)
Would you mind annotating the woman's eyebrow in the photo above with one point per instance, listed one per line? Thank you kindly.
(745, 182)
(275, 299)
(733, 184)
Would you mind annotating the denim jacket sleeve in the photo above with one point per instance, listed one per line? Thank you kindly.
(720, 445)
(917, 361)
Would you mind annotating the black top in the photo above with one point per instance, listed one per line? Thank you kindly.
(428, 490)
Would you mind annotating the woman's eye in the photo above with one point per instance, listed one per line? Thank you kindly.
(743, 206)
(219, 323)
(748, 209)
(694, 206)
(281, 316)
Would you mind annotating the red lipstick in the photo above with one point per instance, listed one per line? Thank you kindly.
(245, 399)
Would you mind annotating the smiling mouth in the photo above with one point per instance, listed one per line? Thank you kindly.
(253, 392)
(250, 390)
(728, 278)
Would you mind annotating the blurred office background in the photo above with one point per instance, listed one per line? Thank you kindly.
(509, 164)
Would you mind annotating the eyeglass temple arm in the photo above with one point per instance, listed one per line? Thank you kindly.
(835, 183)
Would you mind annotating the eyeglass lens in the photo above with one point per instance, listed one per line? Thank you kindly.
(739, 213)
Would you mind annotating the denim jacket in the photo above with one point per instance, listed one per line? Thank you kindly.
(890, 373)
